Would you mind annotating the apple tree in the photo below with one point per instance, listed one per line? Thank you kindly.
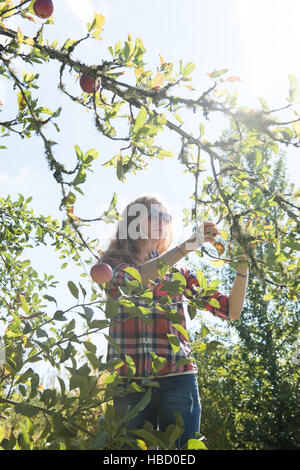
(149, 103)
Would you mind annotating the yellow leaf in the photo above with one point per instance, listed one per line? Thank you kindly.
(219, 247)
(268, 296)
(3, 26)
(161, 60)
(190, 87)
(157, 80)
(100, 20)
(29, 17)
(29, 41)
(232, 79)
(224, 234)
(139, 73)
(141, 444)
(21, 102)
(217, 262)
(296, 127)
(20, 35)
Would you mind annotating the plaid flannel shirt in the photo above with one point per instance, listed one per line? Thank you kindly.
(138, 338)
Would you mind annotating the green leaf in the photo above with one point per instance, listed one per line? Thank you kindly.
(177, 286)
(188, 69)
(214, 303)
(141, 119)
(217, 73)
(149, 437)
(40, 333)
(80, 177)
(178, 118)
(158, 362)
(174, 342)
(25, 440)
(49, 298)
(26, 410)
(130, 365)
(204, 331)
(296, 127)
(294, 245)
(294, 88)
(111, 308)
(201, 279)
(79, 152)
(192, 311)
(64, 429)
(196, 444)
(24, 377)
(258, 158)
(182, 330)
(70, 199)
(25, 306)
(120, 175)
(268, 297)
(73, 289)
(90, 155)
(139, 407)
(166, 153)
(112, 342)
(212, 345)
(2, 432)
(134, 273)
(264, 104)
(59, 315)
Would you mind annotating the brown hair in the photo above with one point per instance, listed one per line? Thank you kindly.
(127, 249)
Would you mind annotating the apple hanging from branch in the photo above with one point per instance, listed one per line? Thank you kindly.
(89, 84)
(43, 8)
(101, 273)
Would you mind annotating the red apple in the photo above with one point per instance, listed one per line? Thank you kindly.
(89, 84)
(101, 273)
(43, 8)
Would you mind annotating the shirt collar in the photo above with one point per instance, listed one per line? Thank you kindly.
(153, 254)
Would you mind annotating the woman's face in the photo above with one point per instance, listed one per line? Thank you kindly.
(156, 226)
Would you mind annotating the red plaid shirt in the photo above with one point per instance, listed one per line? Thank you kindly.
(133, 336)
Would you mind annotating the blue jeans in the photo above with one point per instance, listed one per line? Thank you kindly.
(176, 393)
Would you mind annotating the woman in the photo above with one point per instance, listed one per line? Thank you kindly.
(139, 243)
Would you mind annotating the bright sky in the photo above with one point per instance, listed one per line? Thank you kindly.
(256, 40)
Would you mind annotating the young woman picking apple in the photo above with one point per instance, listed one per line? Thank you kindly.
(143, 339)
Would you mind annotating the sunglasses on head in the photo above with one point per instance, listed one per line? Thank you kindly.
(155, 215)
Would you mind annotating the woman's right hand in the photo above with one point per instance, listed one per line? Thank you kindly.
(206, 233)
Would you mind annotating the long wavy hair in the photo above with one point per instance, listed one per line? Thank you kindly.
(129, 250)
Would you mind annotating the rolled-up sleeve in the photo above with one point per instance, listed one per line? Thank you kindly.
(221, 311)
